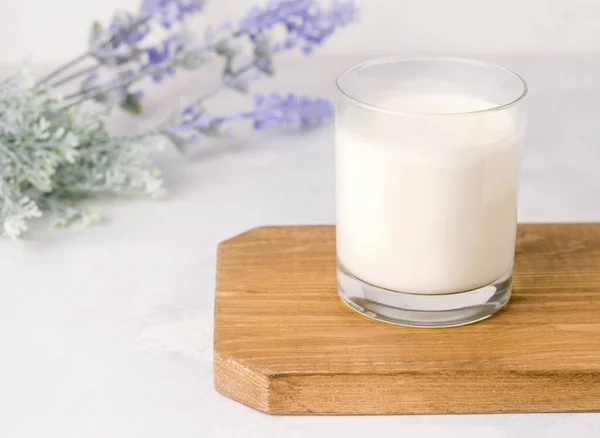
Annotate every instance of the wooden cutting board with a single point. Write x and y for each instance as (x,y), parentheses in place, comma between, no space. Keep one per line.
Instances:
(286,344)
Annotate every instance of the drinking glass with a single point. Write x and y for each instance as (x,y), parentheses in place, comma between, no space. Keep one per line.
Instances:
(428,154)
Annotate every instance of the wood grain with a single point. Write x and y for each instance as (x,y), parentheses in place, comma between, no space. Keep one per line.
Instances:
(286,344)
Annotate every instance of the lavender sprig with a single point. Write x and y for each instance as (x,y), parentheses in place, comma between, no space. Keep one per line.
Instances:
(289,111)
(168,12)
(53,154)
(117,44)
(306,24)
(270,111)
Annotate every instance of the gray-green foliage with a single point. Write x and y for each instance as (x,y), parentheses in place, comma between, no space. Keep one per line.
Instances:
(51,156)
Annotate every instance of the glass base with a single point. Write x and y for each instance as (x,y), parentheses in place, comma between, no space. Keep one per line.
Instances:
(414,310)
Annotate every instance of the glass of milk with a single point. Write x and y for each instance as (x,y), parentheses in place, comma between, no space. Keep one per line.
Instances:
(428,154)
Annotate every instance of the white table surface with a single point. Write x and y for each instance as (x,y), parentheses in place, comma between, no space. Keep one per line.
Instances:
(107,332)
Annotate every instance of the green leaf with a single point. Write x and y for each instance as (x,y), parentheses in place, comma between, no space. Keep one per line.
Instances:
(214,129)
(266,68)
(192,60)
(227,47)
(96,33)
(262,46)
(132,104)
(55,157)
(242,87)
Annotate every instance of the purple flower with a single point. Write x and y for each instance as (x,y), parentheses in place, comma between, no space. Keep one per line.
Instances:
(196,119)
(168,12)
(273,110)
(116,46)
(126,28)
(292,111)
(162,55)
(307,25)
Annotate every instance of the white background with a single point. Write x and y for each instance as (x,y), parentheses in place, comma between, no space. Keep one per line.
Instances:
(54,30)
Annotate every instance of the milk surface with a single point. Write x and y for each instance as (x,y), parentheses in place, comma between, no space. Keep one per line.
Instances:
(427,203)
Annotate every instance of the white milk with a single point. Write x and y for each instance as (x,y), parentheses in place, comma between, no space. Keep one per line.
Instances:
(427,203)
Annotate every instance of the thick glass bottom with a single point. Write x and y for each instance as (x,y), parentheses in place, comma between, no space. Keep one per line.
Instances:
(414,310)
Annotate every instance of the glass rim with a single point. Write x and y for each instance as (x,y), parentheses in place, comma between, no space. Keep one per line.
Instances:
(453,59)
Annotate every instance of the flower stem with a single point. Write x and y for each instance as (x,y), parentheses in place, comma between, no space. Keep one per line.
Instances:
(114,38)
(219,87)
(141,136)
(94,91)
(207,96)
(74,75)
(159,130)
(61,69)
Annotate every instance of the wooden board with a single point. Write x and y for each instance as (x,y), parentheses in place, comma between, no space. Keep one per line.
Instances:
(286,344)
